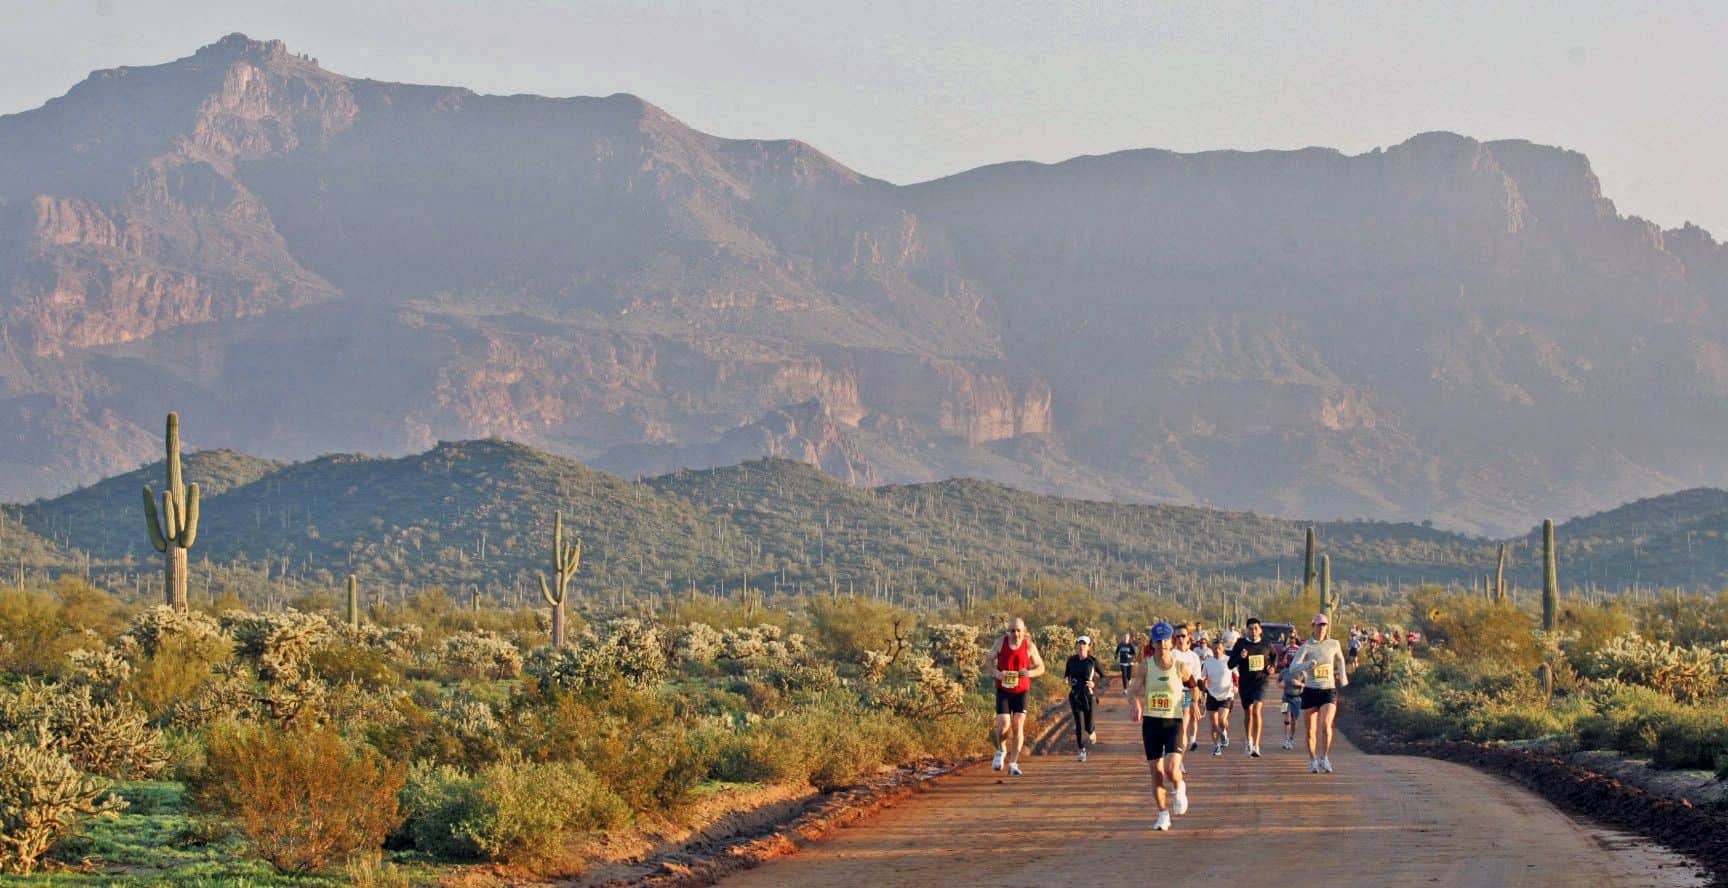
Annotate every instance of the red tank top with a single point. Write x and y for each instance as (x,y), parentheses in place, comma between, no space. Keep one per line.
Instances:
(1010,660)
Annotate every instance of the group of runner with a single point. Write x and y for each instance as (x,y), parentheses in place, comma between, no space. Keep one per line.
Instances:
(1177,681)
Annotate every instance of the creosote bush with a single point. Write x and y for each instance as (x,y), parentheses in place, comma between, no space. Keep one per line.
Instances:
(303,797)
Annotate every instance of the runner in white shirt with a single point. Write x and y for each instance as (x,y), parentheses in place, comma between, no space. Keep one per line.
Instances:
(1321,661)
(1192,707)
(1220,694)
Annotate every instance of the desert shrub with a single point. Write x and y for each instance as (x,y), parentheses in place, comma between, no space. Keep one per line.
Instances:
(43,799)
(624,650)
(1055,642)
(956,647)
(848,625)
(278,646)
(1512,721)
(303,797)
(1490,678)
(930,693)
(695,644)
(873,666)
(171,654)
(1693,737)
(479,654)
(523,812)
(358,663)
(1465,627)
(436,800)
(1408,709)
(111,739)
(1625,717)
(803,678)
(632,739)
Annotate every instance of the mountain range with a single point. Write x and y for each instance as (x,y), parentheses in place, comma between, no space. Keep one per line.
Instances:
(301,262)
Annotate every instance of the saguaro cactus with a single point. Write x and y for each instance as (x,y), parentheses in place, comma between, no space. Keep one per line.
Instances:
(1550,579)
(1310,574)
(1326,603)
(1500,576)
(174,528)
(565,561)
(353,602)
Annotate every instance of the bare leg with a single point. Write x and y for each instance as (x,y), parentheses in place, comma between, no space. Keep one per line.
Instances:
(1159,793)
(1327,714)
(1002,733)
(1311,728)
(1019,740)
(1251,723)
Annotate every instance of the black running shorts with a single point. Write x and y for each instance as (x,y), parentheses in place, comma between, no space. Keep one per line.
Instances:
(1161,736)
(1314,698)
(1213,704)
(1251,692)
(1010,702)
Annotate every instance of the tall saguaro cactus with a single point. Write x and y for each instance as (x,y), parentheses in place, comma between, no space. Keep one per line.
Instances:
(353,602)
(1500,576)
(1310,572)
(1550,579)
(565,560)
(174,528)
(1326,602)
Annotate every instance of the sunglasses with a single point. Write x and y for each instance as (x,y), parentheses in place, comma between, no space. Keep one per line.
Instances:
(1181,635)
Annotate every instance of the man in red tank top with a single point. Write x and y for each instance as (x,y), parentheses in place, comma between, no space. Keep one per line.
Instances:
(1014,663)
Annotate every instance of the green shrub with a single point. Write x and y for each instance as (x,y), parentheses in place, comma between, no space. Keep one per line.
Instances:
(437,799)
(1693,737)
(632,739)
(523,812)
(303,798)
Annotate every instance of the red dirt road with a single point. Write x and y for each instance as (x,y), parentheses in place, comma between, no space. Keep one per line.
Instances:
(1380,820)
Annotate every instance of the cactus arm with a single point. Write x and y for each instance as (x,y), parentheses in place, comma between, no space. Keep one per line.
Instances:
(173,447)
(573,560)
(189,521)
(151,520)
(546,591)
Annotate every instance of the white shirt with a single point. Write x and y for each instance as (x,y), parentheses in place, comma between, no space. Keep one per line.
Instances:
(1192,659)
(1230,639)
(1217,673)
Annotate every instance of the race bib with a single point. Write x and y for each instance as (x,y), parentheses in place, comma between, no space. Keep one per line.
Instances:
(1256,662)
(1158,702)
(1322,671)
(1284,707)
(1010,679)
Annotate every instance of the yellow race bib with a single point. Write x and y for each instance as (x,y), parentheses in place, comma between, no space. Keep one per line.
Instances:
(1159,703)
(1010,678)
(1322,671)
(1256,662)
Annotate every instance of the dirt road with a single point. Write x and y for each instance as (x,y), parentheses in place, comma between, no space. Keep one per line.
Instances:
(1380,820)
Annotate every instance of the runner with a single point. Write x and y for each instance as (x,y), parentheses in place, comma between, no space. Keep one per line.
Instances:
(1220,685)
(1192,707)
(1231,636)
(1292,702)
(1016,662)
(1155,701)
(1083,673)
(1253,659)
(1126,653)
(1322,660)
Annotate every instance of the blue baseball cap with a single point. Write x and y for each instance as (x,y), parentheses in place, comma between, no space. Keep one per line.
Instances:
(1163,632)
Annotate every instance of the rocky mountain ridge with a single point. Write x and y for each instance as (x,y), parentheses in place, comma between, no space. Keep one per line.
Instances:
(1446,328)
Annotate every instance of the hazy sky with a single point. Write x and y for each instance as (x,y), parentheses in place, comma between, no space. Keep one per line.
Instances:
(913,90)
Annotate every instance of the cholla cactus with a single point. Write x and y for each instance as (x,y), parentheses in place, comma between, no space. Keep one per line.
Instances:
(174,528)
(279,646)
(874,666)
(151,628)
(112,739)
(43,798)
(103,670)
(624,649)
(696,643)
(955,646)
(931,693)
(482,654)
(1055,641)
(1684,673)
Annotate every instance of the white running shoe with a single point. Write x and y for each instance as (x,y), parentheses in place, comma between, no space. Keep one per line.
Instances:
(1082,755)
(1251,751)
(1193,745)
(1163,824)
(1289,743)
(1014,769)
(1313,766)
(1217,750)
(1001,755)
(1226,739)
(1181,805)
(1326,764)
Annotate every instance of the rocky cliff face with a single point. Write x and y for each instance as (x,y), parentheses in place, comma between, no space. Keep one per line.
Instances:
(302,262)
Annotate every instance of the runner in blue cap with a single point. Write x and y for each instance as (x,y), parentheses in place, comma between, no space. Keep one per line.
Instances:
(1155,701)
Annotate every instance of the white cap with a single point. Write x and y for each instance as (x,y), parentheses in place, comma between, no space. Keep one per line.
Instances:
(1084,639)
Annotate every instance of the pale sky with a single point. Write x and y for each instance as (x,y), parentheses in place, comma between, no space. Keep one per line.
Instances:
(908,90)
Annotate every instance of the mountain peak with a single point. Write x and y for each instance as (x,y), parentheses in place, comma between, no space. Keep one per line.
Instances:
(238,46)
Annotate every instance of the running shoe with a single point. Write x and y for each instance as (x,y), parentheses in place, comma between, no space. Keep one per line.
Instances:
(1288,744)
(1001,754)
(1014,769)
(1163,824)
(1082,755)
(1193,745)
(1313,766)
(1254,751)
(1181,805)
(1217,750)
(1326,764)
(1226,739)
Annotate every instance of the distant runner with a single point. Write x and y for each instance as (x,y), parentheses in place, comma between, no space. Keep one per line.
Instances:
(1322,660)
(1126,654)
(1083,673)
(1016,662)
(1192,708)
(1292,702)
(1254,660)
(1220,686)
(1155,701)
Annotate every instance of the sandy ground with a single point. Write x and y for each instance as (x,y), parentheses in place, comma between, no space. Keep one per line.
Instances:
(1380,820)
